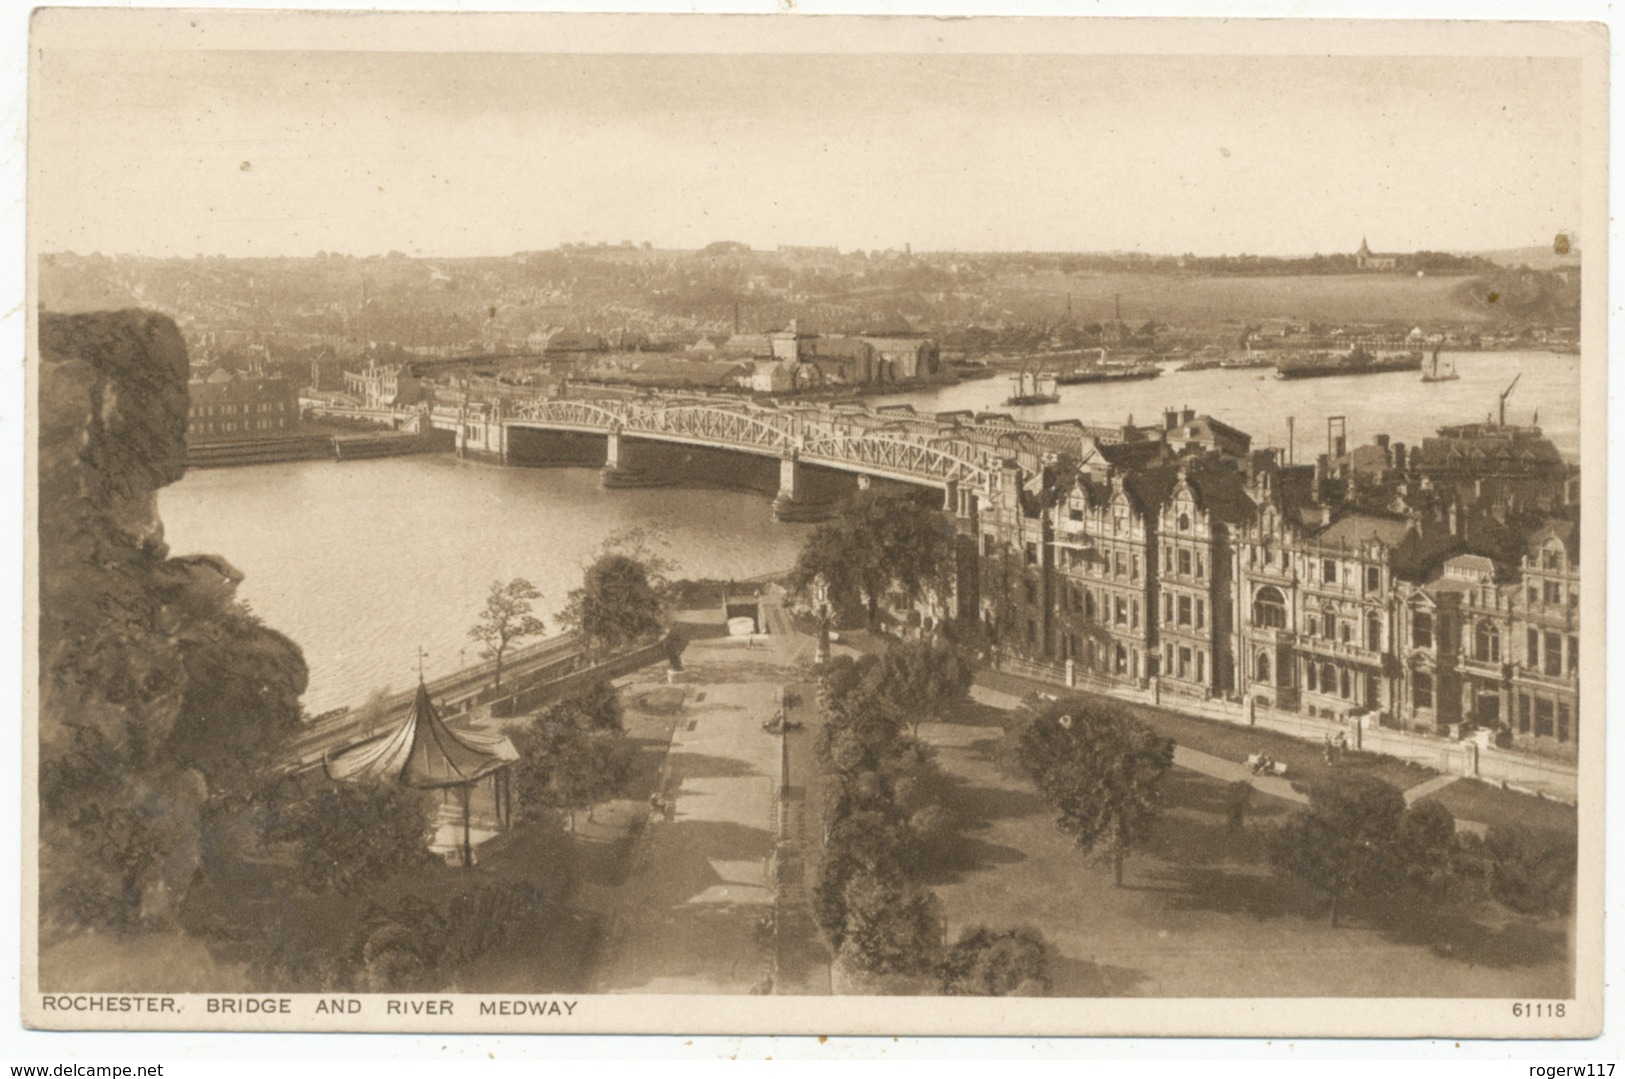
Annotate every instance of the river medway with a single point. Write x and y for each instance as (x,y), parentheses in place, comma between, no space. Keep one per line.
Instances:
(1400,405)
(363,562)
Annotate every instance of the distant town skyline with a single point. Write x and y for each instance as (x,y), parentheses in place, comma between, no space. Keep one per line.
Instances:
(455,155)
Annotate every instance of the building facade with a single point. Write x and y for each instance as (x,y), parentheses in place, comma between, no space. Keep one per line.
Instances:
(226,406)
(1376,594)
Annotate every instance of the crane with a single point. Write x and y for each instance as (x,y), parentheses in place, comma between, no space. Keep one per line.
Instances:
(1505,393)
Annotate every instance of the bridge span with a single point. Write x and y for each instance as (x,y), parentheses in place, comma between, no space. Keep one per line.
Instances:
(957,453)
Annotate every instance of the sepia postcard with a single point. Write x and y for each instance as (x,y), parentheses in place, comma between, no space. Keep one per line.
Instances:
(814,525)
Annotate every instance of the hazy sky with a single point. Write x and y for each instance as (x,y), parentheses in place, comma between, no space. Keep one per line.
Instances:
(245,153)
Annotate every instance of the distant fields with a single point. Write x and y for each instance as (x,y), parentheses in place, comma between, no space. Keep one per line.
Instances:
(1350,298)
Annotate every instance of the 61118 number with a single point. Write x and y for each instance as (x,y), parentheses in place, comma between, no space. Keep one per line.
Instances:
(1537,1011)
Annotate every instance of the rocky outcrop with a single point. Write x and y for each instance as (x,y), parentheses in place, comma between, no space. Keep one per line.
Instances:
(161,697)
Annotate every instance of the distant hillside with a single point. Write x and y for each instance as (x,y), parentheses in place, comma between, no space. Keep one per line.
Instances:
(1524,296)
(1197,300)
(1536,258)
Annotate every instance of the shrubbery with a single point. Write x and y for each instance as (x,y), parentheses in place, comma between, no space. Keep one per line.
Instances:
(889,823)
(407,945)
(1531,872)
(345,836)
(885,823)
(997,963)
(1358,839)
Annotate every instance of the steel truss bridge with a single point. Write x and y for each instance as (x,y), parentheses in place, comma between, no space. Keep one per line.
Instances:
(895,445)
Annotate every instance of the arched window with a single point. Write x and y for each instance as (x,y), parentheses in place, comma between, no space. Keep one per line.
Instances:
(1184,522)
(1089,606)
(1373,632)
(1263,666)
(1328,621)
(1269,608)
(1487,642)
(1328,678)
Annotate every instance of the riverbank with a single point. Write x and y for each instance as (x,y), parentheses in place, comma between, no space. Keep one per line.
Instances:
(314,446)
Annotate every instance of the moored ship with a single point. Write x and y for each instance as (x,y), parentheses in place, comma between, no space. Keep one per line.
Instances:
(1108,372)
(1357,362)
(1099,370)
(1033,389)
(1438,373)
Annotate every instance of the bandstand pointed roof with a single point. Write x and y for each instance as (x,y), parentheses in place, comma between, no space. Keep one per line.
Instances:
(423,753)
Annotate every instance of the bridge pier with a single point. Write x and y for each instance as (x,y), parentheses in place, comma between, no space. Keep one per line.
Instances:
(788,506)
(624,466)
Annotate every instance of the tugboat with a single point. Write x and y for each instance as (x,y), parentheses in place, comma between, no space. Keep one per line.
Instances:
(1033,389)
(1435,374)
(1357,362)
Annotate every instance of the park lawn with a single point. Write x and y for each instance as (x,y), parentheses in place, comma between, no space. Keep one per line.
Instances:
(1470,799)
(1305,761)
(1201,913)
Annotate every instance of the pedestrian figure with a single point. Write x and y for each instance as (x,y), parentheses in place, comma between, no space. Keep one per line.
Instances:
(1327,750)
(1341,745)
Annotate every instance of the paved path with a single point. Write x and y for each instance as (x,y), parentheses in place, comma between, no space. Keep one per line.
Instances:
(691,916)
(1230,771)
(1432,786)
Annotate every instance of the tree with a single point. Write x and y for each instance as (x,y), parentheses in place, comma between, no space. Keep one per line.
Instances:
(1346,842)
(349,835)
(892,926)
(875,841)
(594,707)
(997,963)
(616,605)
(588,769)
(507,618)
(1100,769)
(572,756)
(922,679)
(1425,846)
(876,543)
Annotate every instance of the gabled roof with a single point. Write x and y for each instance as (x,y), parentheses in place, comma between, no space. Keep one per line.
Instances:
(1222,493)
(422,753)
(1149,488)
(1562,529)
(1132,455)
(1354,529)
